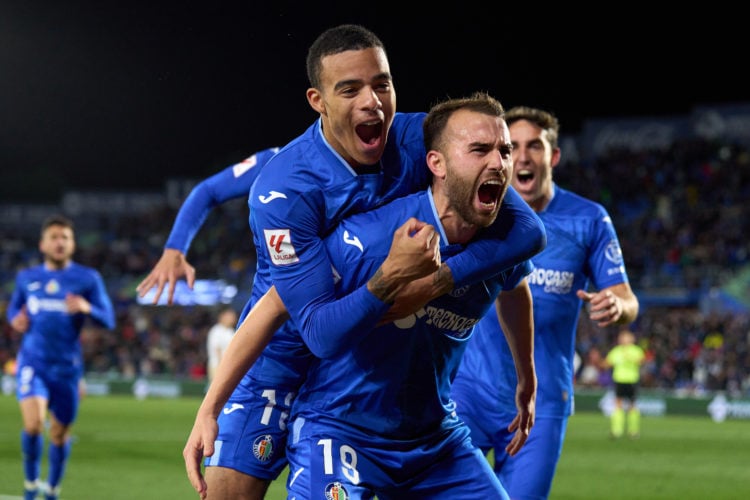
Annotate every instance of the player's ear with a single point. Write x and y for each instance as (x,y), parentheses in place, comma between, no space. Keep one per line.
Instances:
(315,99)
(436,163)
(556,155)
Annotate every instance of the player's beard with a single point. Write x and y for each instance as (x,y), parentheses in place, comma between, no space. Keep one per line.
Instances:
(462,195)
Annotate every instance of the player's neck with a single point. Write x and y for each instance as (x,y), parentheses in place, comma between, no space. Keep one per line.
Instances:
(56,265)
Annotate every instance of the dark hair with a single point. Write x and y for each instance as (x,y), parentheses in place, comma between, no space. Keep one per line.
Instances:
(434,124)
(57,220)
(542,119)
(334,41)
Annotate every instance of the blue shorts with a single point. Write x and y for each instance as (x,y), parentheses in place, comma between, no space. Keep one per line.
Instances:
(61,393)
(323,464)
(253,431)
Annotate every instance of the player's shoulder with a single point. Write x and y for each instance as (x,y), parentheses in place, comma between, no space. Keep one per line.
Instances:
(84,270)
(407,127)
(29,273)
(394,213)
(298,164)
(568,202)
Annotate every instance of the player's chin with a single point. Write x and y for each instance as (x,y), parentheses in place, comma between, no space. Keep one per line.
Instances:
(485,217)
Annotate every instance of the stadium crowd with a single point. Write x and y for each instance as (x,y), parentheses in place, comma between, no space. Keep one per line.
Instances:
(681,214)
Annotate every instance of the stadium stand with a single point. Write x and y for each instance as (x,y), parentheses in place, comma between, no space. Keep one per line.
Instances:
(680,205)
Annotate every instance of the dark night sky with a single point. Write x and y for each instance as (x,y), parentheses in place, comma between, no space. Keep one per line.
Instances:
(115,96)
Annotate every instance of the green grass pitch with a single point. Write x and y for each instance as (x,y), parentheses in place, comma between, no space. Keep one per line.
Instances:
(126,449)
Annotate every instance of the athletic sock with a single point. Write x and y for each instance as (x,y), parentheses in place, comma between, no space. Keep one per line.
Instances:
(57,458)
(634,422)
(31,450)
(617,422)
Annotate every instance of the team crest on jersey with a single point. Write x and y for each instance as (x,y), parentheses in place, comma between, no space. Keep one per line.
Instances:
(280,248)
(263,447)
(336,491)
(52,287)
(613,252)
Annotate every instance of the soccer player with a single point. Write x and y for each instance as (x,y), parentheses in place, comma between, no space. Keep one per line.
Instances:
(49,305)
(231,183)
(359,154)
(582,250)
(377,418)
(625,359)
(219,337)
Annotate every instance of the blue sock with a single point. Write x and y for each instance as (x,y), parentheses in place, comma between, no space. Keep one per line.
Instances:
(31,450)
(57,458)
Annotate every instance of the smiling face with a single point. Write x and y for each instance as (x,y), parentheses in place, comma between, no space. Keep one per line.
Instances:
(356,101)
(533,161)
(474,166)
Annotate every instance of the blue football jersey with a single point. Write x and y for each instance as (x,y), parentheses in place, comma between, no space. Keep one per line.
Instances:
(393,382)
(582,249)
(52,342)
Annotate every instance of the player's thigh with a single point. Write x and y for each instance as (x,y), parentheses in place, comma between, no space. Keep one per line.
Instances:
(253,433)
(228,484)
(33,397)
(33,410)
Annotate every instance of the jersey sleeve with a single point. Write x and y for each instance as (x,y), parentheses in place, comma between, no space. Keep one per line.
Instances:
(232,182)
(516,274)
(17,298)
(606,261)
(302,273)
(517,235)
(102,310)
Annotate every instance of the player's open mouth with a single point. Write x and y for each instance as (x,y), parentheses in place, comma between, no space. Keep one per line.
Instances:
(524,176)
(369,132)
(489,192)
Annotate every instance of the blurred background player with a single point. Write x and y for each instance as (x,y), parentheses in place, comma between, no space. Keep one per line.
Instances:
(625,359)
(219,337)
(582,250)
(50,303)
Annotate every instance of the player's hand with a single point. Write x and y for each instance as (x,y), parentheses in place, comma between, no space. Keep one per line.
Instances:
(604,307)
(200,444)
(77,304)
(171,267)
(20,321)
(414,252)
(525,417)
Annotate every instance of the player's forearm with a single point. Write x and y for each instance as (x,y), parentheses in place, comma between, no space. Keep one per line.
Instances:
(190,218)
(251,337)
(515,312)
(630,307)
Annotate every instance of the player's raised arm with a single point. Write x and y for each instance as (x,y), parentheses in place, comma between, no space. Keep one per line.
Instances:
(231,183)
